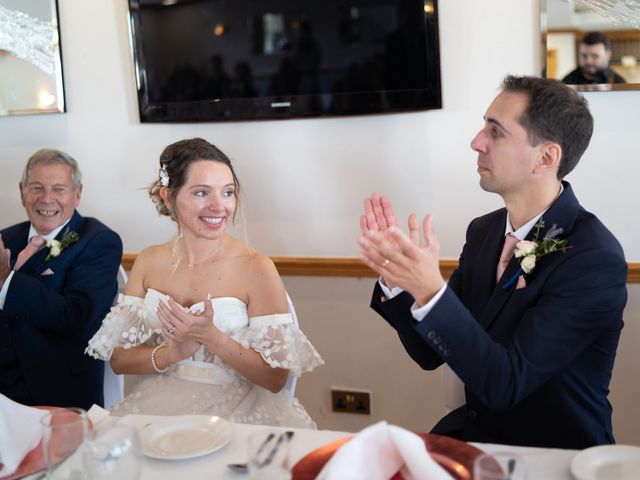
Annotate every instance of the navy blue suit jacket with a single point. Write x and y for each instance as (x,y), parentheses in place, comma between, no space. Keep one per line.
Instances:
(536,361)
(47,320)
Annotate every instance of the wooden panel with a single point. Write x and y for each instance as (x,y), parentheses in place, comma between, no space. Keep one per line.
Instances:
(613,35)
(634,272)
(352,267)
(552,63)
(622,42)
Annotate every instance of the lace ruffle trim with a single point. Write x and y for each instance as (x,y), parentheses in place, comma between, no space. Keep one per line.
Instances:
(280,345)
(275,337)
(125,326)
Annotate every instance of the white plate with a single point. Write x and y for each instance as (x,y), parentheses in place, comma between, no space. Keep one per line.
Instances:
(607,462)
(186,436)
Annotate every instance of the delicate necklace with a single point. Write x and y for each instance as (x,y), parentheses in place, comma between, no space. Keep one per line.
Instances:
(213,256)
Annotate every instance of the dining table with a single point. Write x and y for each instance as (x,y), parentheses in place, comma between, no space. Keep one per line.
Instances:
(543,463)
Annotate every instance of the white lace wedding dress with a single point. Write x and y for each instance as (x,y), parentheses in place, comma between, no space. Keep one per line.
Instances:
(204,384)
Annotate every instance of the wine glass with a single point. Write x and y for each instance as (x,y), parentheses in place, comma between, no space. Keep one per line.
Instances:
(112,452)
(63,432)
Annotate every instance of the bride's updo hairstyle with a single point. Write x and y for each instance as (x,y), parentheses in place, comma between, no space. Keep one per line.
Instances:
(174,166)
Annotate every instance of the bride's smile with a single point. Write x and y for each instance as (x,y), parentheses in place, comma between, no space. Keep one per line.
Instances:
(212,220)
(207,200)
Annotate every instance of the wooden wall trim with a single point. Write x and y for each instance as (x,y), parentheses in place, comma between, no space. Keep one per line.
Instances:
(352,267)
(613,35)
(634,272)
(127,260)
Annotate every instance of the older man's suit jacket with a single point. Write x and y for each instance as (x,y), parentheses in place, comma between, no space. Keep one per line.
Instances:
(536,361)
(51,310)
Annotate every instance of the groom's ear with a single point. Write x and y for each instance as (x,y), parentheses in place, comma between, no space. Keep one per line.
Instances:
(550,156)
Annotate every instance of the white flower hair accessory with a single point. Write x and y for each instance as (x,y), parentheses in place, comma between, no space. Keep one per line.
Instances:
(164,176)
(529,251)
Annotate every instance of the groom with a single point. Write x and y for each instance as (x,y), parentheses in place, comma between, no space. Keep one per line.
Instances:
(532,333)
(57,283)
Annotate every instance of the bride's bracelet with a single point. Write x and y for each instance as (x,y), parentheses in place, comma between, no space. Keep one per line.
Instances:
(153,359)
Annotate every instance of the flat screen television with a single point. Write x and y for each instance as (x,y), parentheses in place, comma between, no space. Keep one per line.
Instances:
(215,60)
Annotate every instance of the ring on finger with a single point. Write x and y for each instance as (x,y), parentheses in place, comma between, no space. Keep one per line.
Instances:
(386,262)
(172,330)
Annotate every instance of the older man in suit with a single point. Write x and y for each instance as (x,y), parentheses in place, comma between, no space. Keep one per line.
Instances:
(58,281)
(532,333)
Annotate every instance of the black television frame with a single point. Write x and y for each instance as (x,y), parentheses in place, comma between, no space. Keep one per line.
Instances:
(287,106)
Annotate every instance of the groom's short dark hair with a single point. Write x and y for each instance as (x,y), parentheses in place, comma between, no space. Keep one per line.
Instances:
(555,113)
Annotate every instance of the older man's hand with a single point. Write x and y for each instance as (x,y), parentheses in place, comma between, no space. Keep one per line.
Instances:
(5,257)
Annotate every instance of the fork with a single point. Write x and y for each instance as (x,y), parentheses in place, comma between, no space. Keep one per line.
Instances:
(286,435)
(243,467)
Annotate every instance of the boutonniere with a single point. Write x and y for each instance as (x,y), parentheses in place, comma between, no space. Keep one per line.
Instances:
(57,246)
(529,251)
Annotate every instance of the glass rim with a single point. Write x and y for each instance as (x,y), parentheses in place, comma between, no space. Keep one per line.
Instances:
(81,416)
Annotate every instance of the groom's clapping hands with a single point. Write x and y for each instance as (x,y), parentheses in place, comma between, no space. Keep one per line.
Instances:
(401,260)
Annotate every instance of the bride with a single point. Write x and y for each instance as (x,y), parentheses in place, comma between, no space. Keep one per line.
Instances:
(162,330)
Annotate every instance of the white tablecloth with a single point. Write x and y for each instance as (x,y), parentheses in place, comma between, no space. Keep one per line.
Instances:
(214,465)
(544,463)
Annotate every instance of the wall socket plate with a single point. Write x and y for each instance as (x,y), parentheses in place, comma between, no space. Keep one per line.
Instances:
(351,401)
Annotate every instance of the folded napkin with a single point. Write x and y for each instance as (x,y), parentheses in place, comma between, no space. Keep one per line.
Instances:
(98,415)
(20,432)
(378,452)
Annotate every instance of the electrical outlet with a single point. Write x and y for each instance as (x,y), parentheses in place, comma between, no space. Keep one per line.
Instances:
(351,401)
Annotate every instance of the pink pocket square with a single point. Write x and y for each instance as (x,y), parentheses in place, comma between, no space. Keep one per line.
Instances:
(521,282)
(48,271)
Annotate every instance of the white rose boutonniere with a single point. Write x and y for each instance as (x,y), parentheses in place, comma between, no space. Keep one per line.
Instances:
(57,246)
(524,248)
(529,251)
(528,263)
(54,248)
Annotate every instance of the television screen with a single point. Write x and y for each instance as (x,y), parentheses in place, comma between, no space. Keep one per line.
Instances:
(211,60)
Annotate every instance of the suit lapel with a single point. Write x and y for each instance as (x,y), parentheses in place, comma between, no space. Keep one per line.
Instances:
(74,225)
(495,296)
(497,300)
(562,213)
(36,260)
(484,269)
(17,242)
(39,259)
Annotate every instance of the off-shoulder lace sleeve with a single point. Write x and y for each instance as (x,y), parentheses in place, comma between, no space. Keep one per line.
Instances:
(280,343)
(129,323)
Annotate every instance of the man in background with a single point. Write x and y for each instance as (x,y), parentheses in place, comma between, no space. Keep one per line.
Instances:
(531,318)
(594,55)
(57,282)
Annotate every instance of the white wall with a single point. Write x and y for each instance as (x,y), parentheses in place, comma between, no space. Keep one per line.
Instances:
(565,46)
(304,181)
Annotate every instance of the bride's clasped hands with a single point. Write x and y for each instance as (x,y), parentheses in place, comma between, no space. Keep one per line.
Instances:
(186,331)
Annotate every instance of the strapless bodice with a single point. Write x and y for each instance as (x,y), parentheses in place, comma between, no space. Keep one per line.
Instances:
(229,313)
